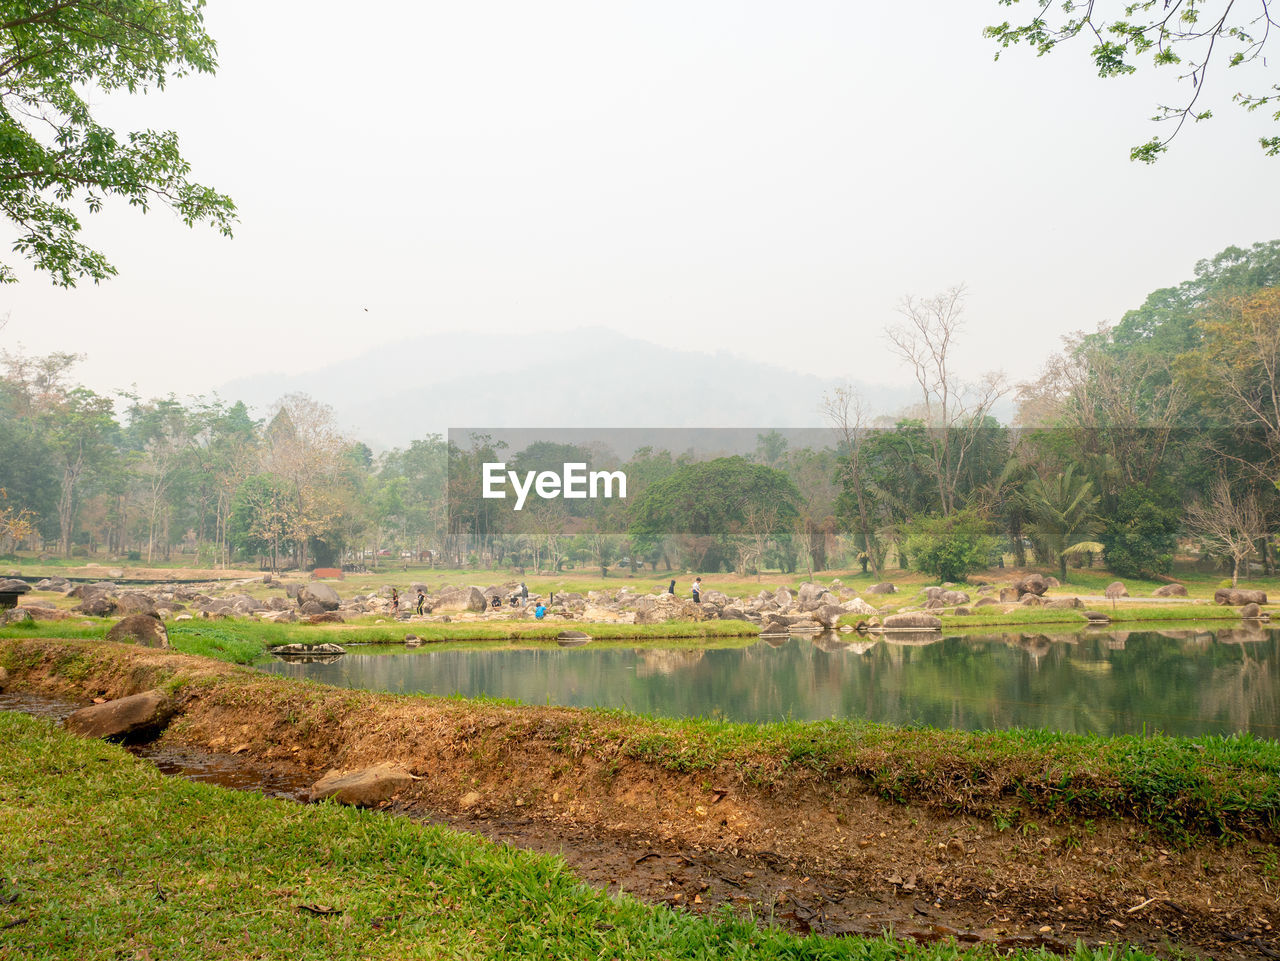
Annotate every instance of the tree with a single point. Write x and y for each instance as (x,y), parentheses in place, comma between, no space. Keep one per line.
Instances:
(1063,518)
(1236,370)
(1230,521)
(54,55)
(845,413)
(955,412)
(1140,534)
(1188,35)
(951,546)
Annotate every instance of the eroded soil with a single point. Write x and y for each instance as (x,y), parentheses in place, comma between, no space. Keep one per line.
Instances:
(813,854)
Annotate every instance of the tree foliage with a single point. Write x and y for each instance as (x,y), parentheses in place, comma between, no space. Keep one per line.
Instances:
(1189,37)
(54,154)
(950,547)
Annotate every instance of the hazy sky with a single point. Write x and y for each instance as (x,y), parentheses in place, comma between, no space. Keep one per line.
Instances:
(764,178)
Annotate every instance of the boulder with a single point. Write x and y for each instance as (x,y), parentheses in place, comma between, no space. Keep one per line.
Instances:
(1115,589)
(828,615)
(125,716)
(1052,582)
(18,615)
(1250,611)
(364,788)
(135,602)
(986,602)
(13,586)
(1009,595)
(412,640)
(1031,600)
(1170,590)
(97,605)
(300,650)
(859,606)
(309,609)
(1064,602)
(4,678)
(912,620)
(321,593)
(953,598)
(1031,584)
(327,617)
(1233,597)
(883,588)
(774,625)
(459,599)
(572,638)
(145,630)
(1098,617)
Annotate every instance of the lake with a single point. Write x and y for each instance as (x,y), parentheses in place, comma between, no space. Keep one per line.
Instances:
(1188,682)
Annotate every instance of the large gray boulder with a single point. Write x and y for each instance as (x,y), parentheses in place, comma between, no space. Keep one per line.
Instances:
(828,615)
(1170,590)
(135,602)
(458,599)
(1115,589)
(365,788)
(321,593)
(1234,597)
(123,716)
(860,607)
(97,605)
(913,620)
(882,588)
(1031,584)
(145,630)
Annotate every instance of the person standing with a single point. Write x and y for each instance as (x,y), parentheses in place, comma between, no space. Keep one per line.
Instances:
(395,601)
(697,590)
(421,600)
(524,593)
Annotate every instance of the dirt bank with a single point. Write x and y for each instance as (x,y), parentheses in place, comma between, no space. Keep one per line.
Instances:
(820,852)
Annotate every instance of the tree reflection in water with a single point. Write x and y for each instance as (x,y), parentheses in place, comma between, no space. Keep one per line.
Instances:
(1190,681)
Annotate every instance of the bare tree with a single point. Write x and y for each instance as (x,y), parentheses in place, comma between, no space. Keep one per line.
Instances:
(954,412)
(1229,522)
(844,410)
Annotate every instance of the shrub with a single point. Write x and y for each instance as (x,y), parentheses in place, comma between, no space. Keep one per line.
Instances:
(950,547)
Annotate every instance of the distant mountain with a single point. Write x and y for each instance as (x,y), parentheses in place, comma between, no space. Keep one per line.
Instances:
(585,378)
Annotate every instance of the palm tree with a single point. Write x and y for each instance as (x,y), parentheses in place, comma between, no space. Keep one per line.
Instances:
(1063,517)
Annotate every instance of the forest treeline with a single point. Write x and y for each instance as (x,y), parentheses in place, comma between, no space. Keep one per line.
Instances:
(1159,430)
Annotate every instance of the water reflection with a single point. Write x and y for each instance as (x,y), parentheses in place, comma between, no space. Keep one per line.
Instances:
(1180,682)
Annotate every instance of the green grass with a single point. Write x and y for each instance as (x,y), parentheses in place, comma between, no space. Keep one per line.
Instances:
(129,864)
(243,641)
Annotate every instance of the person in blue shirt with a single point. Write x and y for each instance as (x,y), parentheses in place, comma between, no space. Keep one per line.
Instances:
(540,611)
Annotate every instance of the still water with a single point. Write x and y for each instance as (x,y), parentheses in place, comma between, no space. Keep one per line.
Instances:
(1177,682)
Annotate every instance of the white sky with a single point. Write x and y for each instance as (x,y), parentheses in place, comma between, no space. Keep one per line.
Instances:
(765,178)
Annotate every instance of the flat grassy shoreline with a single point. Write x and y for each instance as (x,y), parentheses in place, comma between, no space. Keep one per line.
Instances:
(1203,787)
(128,863)
(244,640)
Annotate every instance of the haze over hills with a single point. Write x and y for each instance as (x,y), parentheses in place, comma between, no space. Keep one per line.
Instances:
(585,378)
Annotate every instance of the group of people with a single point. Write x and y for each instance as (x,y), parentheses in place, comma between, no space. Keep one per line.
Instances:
(523,598)
(697,589)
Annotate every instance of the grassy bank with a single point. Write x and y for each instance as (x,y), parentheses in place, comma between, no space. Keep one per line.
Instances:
(128,863)
(243,641)
(1208,786)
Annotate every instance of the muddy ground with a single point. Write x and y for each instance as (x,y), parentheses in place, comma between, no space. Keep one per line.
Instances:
(811,853)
